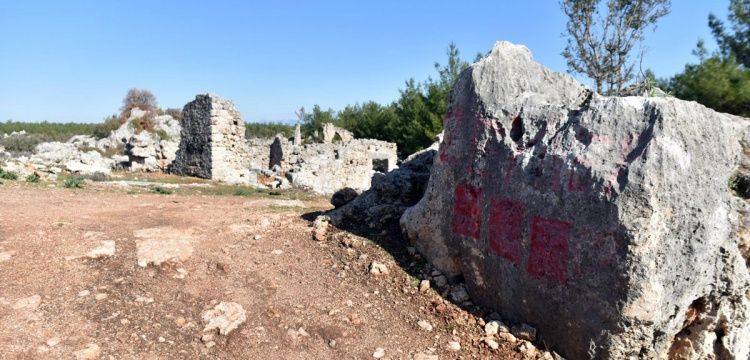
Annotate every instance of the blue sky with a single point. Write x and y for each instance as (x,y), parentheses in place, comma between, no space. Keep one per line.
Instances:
(74,60)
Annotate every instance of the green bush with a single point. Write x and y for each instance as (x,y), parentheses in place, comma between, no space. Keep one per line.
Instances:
(8,175)
(74,182)
(103,130)
(33,178)
(22,144)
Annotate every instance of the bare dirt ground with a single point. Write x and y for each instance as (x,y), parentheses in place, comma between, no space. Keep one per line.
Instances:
(304,299)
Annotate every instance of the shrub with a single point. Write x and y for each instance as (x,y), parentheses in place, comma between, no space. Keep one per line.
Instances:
(21,144)
(140,98)
(33,179)
(74,182)
(175,113)
(267,130)
(162,190)
(103,130)
(243,192)
(162,134)
(8,175)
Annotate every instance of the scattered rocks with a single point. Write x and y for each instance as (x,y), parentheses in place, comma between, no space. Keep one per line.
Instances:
(507,337)
(320,227)
(226,316)
(163,244)
(425,325)
(454,346)
(29,303)
(491,343)
(424,285)
(379,353)
(295,335)
(377,268)
(90,352)
(83,293)
(277,252)
(100,296)
(53,341)
(493,327)
(106,249)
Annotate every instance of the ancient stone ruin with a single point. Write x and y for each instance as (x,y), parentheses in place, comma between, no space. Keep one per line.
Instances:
(212,142)
(604,222)
(326,167)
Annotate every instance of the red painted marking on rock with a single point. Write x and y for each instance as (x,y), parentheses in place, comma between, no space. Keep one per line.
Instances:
(506,228)
(575,185)
(509,171)
(466,211)
(557,166)
(549,248)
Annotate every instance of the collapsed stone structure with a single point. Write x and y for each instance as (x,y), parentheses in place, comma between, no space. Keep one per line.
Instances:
(330,132)
(212,142)
(604,222)
(379,209)
(328,167)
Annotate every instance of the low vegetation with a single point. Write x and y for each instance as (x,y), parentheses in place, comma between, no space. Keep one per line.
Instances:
(32,178)
(8,175)
(268,129)
(74,182)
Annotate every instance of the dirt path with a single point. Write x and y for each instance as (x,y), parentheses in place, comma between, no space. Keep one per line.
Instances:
(303,299)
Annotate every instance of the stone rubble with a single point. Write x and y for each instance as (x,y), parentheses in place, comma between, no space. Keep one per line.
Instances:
(225,316)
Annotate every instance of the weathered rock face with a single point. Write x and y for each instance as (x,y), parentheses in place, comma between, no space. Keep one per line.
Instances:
(604,222)
(212,144)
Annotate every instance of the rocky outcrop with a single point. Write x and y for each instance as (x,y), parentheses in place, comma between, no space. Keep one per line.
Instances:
(604,222)
(212,144)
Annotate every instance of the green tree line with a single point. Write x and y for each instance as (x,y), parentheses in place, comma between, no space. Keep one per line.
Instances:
(412,121)
(720,80)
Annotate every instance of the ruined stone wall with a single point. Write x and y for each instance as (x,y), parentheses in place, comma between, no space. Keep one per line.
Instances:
(326,168)
(213,144)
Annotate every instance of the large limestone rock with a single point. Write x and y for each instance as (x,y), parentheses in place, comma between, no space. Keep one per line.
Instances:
(604,222)
(212,144)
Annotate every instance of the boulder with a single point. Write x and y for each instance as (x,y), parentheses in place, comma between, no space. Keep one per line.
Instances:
(343,197)
(605,223)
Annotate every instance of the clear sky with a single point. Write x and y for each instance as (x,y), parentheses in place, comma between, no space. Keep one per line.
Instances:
(74,60)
